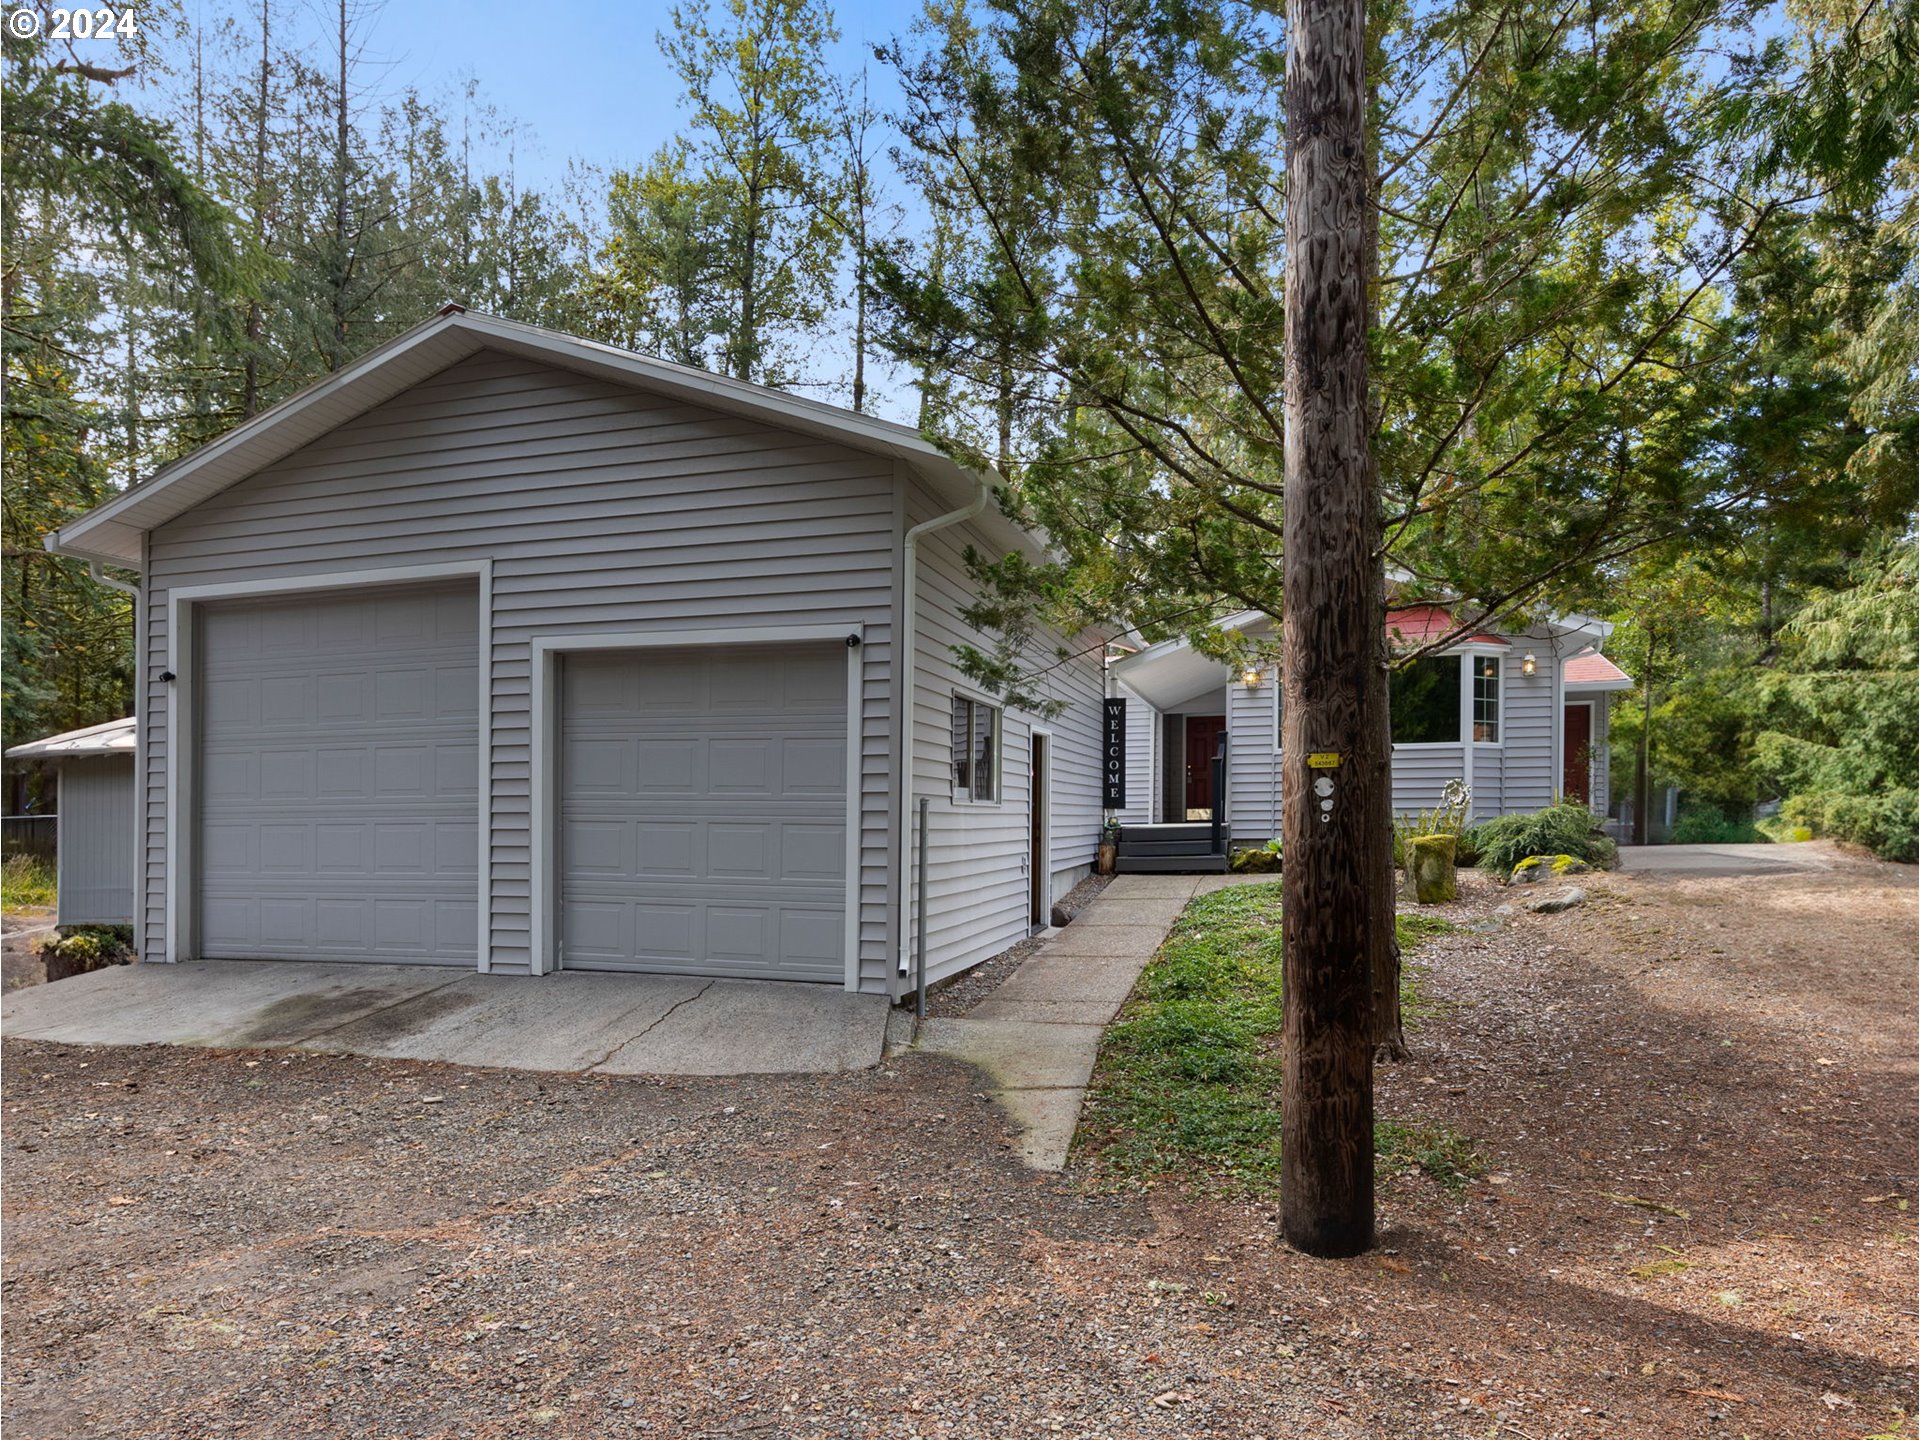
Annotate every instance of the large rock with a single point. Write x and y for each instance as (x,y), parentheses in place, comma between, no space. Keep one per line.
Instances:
(1430,878)
(1559,900)
(1547,867)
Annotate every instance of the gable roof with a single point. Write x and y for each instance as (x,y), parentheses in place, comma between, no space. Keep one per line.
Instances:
(112,532)
(1415,625)
(1590,670)
(1171,669)
(115,737)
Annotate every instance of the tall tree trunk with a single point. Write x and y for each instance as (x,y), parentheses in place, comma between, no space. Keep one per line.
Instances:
(343,269)
(1642,774)
(1389,1030)
(1332,644)
(256,317)
(747,340)
(860,300)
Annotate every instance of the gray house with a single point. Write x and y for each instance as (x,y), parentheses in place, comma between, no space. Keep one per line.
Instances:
(93,820)
(1520,716)
(510,650)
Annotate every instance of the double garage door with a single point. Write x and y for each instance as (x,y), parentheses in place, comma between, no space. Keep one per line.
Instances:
(702,794)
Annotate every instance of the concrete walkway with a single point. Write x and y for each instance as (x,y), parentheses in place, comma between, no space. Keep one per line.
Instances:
(1724,859)
(1037,1035)
(572,1021)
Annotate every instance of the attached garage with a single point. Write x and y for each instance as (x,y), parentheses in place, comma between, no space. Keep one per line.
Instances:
(336,771)
(703,811)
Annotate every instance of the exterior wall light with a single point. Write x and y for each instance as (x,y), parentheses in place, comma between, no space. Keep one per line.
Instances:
(1250,678)
(1528,664)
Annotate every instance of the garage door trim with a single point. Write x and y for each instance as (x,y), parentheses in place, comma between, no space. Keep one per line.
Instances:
(182,877)
(545,756)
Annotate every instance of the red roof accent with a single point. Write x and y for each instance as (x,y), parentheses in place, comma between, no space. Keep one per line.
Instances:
(1415,625)
(1590,667)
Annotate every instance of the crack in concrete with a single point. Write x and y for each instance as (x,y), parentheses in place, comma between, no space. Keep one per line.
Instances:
(665,1015)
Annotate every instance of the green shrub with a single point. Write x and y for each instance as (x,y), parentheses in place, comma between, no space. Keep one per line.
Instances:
(1711,825)
(1568,828)
(87,945)
(26,880)
(1888,825)
(1265,860)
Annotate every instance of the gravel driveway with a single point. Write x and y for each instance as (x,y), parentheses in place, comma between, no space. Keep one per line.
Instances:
(1696,1097)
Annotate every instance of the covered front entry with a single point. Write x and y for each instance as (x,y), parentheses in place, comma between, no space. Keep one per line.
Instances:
(703,811)
(1203,740)
(337,776)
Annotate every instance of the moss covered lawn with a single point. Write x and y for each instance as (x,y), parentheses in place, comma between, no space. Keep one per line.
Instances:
(1187,1084)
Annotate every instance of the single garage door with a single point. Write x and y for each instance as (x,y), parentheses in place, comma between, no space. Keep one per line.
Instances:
(703,811)
(339,777)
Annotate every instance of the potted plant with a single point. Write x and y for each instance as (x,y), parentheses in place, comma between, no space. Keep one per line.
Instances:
(1109,851)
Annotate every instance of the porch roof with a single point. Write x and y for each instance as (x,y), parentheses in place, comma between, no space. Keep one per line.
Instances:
(114,737)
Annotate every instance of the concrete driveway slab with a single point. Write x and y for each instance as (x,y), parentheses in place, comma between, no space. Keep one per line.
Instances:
(213,1002)
(557,1022)
(629,1024)
(757,1027)
(1719,860)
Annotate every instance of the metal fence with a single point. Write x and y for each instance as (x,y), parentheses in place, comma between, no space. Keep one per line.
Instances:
(27,835)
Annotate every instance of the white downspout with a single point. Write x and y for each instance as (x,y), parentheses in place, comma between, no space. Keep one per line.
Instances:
(93,569)
(908,688)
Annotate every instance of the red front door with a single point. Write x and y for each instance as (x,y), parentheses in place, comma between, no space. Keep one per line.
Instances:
(1203,738)
(1577,754)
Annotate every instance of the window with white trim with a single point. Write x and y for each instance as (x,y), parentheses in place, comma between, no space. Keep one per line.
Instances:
(1486,698)
(976,750)
(1423,701)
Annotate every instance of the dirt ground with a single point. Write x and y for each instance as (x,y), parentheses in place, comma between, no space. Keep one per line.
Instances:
(1697,1100)
(21,933)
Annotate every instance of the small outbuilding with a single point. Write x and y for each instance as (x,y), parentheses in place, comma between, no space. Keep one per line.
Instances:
(94,831)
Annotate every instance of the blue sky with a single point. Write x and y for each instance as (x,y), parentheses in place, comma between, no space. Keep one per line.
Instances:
(586,80)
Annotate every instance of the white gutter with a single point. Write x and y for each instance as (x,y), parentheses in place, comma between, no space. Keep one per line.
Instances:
(93,569)
(907,675)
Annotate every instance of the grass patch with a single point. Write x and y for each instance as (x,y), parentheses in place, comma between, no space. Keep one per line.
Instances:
(26,880)
(1188,1078)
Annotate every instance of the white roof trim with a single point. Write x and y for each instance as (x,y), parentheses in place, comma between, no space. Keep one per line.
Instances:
(115,737)
(112,532)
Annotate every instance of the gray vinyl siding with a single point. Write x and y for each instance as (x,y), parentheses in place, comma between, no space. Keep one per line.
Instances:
(601,509)
(1253,761)
(95,850)
(1143,744)
(1530,743)
(977,880)
(1518,774)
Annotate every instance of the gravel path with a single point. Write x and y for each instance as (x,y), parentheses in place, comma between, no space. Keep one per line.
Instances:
(1697,1098)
